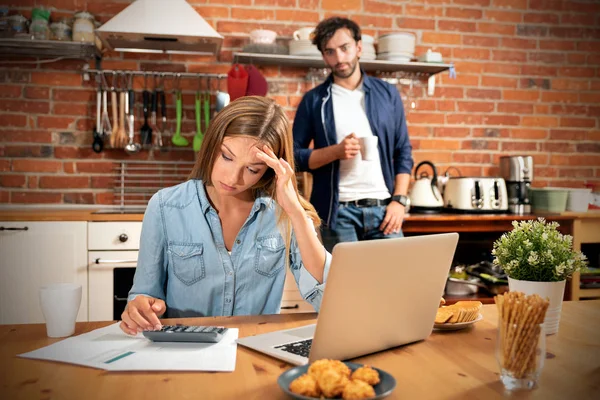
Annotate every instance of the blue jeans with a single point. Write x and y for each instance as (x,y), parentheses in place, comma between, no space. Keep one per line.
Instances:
(354,224)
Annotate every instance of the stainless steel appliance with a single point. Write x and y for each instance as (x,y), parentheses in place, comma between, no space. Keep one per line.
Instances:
(517,171)
(475,195)
(425,197)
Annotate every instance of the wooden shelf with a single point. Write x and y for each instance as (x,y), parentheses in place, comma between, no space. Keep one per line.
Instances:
(425,69)
(10,47)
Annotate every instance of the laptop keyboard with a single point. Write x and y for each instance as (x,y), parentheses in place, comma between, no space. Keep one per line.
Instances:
(301,348)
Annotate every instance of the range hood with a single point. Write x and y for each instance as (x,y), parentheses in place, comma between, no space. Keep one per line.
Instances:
(160,26)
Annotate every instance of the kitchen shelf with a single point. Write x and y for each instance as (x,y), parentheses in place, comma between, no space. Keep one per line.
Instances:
(425,69)
(11,47)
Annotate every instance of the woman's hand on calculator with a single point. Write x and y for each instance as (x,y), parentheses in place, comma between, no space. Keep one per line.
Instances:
(141,314)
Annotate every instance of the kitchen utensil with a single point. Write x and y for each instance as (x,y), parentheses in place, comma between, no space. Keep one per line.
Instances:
(257,84)
(476,194)
(114,136)
(222,98)
(237,81)
(177,139)
(98,144)
(425,197)
(197,142)
(517,171)
(492,278)
(443,179)
(106,126)
(121,136)
(131,147)
(146,130)
(163,112)
(206,111)
(154,107)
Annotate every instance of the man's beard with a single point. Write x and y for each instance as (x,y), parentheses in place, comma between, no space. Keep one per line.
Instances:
(348,72)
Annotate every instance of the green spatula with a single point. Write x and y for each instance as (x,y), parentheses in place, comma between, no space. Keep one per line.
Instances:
(177,139)
(198,136)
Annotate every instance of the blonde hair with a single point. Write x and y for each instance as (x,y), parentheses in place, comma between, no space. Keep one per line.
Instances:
(261,118)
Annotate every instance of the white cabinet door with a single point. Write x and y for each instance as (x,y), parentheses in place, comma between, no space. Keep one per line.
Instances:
(43,253)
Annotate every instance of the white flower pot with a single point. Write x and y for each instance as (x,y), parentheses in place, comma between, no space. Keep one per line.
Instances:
(554,291)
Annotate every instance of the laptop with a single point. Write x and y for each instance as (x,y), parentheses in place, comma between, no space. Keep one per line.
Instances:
(379,294)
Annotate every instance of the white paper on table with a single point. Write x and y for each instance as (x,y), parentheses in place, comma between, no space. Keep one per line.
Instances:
(111,349)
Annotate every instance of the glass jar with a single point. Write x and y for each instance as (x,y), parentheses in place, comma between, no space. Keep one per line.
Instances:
(83,27)
(60,31)
(17,23)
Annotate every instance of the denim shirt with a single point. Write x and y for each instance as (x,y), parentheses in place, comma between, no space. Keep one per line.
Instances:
(183,259)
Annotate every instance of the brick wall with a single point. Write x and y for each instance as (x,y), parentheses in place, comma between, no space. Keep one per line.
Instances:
(528,83)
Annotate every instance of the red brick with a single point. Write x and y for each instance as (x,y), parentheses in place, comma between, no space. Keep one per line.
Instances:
(56,78)
(517,43)
(71,109)
(501,120)
(425,118)
(13,120)
(105,8)
(371,21)
(428,144)
(471,53)
(341,5)
(577,72)
(560,97)
(532,134)
(563,45)
(416,23)
(80,153)
(457,26)
(495,28)
(471,158)
(542,109)
(483,3)
(569,109)
(105,198)
(483,41)
(575,33)
(445,105)
(515,4)
(10,91)
(592,59)
(593,135)
(102,182)
(515,108)
(55,122)
(578,19)
(25,136)
(304,16)
(4,165)
(68,167)
(577,58)
(475,106)
(540,18)
(588,46)
(423,11)
(79,198)
(377,7)
(503,16)
(14,181)
(463,13)
(464,119)
(490,132)
(36,166)
(74,95)
(538,70)
(519,146)
(252,14)
(435,157)
(509,55)
(442,92)
(504,69)
(63,182)
(593,98)
(31,107)
(441,38)
(37,93)
(496,81)
(484,94)
(32,182)
(35,197)
(540,121)
(451,132)
(94,167)
(460,80)
(479,144)
(567,134)
(550,58)
(577,122)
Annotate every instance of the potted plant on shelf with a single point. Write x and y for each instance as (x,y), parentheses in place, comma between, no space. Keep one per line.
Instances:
(537,258)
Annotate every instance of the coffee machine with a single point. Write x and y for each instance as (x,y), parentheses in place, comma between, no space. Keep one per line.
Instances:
(517,171)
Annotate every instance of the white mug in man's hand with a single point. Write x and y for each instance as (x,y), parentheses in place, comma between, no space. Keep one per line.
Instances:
(368,147)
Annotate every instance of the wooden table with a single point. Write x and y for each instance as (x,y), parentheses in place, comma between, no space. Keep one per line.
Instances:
(448,365)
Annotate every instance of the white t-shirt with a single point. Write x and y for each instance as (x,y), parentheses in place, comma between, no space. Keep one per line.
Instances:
(359,179)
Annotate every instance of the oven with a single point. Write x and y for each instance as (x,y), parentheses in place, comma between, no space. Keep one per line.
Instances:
(112,258)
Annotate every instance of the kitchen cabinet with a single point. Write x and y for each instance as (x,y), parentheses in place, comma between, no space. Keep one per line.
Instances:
(586,230)
(35,254)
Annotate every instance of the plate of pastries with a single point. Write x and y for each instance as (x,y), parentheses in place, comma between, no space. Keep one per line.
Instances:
(460,315)
(335,379)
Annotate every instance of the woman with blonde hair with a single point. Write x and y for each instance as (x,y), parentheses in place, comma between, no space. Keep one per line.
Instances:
(220,243)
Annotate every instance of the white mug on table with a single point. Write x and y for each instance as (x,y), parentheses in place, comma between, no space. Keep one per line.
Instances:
(60,305)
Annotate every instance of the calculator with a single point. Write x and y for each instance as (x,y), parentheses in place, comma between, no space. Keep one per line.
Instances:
(187,333)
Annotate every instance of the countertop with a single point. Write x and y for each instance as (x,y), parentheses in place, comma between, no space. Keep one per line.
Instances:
(87,214)
(447,365)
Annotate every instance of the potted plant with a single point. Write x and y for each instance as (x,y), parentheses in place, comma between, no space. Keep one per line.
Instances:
(537,258)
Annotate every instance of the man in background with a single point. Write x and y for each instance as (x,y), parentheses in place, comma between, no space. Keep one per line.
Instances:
(358,190)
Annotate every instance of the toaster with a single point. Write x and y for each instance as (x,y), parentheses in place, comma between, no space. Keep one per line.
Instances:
(475,194)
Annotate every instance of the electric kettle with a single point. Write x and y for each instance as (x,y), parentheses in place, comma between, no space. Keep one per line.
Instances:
(425,197)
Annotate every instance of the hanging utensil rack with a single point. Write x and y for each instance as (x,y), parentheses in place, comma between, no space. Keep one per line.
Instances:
(162,75)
